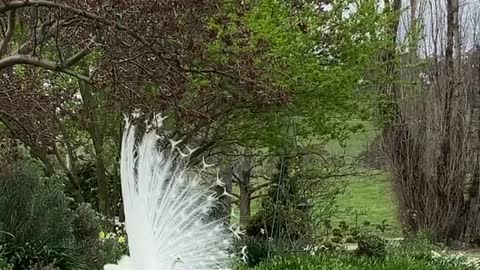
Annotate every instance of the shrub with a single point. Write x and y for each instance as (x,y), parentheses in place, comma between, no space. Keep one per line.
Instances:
(418,248)
(302,262)
(100,247)
(256,250)
(35,217)
(4,264)
(86,223)
(371,246)
(411,254)
(349,262)
(285,212)
(38,230)
(109,249)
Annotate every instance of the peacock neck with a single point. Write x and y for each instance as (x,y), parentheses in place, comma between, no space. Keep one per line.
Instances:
(172,265)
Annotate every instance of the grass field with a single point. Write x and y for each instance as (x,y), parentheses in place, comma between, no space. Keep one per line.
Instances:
(368,197)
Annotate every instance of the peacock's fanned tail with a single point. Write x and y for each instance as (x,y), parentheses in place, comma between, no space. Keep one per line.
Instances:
(167,210)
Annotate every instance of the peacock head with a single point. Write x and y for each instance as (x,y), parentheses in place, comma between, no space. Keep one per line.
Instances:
(175,261)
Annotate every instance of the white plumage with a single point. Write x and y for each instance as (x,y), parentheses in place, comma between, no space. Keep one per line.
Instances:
(167,211)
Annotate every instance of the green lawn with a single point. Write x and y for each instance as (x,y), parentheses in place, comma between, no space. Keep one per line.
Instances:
(356,144)
(369,198)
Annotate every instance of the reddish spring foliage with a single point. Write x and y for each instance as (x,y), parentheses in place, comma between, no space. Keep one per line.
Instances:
(138,54)
(27,112)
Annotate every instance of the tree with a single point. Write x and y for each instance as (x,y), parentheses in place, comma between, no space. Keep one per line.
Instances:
(323,59)
(427,132)
(87,62)
(217,69)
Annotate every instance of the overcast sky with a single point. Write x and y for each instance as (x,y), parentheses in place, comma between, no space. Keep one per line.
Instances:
(434,14)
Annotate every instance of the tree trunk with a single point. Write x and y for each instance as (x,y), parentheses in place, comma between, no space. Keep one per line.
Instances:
(70,167)
(39,153)
(449,185)
(472,230)
(95,131)
(245,192)
(100,174)
(244,205)
(425,138)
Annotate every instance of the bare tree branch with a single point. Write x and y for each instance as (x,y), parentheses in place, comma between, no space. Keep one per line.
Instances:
(42,63)
(14,5)
(50,4)
(260,187)
(237,179)
(43,35)
(258,196)
(235,195)
(9,33)
(80,55)
(7,120)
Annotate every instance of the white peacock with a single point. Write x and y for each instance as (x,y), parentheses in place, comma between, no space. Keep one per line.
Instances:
(166,211)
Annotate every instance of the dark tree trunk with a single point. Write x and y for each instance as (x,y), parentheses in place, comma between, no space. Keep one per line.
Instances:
(95,131)
(245,186)
(244,205)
